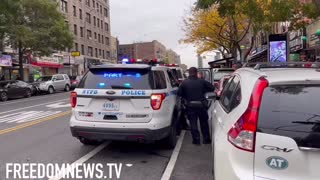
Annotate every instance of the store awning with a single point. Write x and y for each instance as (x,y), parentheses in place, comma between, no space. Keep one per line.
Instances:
(46,64)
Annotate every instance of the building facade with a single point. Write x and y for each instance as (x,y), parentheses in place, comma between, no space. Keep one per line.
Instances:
(143,50)
(114,49)
(89,20)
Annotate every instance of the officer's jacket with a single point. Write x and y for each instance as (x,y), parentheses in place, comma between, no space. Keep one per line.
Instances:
(194,89)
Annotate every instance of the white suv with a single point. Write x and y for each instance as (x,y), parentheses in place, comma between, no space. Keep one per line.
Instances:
(266,125)
(50,84)
(129,102)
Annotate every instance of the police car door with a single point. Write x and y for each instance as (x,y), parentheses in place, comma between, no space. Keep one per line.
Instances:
(115,95)
(173,89)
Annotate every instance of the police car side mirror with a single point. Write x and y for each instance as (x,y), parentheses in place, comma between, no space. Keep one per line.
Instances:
(212,96)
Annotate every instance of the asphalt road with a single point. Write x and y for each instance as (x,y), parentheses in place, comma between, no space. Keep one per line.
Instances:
(36,130)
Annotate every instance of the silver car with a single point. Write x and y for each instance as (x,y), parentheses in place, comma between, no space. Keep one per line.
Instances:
(57,82)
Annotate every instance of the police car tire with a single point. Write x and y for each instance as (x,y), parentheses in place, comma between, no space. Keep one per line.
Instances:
(86,141)
(171,140)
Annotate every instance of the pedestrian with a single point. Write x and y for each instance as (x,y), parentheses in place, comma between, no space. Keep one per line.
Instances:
(193,91)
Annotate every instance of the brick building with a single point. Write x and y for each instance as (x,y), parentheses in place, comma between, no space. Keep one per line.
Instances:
(143,50)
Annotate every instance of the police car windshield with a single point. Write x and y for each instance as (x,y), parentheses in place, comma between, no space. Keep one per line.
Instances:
(116,79)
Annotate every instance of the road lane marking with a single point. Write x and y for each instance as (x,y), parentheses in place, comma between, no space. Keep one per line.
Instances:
(33,106)
(40,115)
(26,116)
(59,105)
(25,125)
(30,99)
(82,160)
(169,169)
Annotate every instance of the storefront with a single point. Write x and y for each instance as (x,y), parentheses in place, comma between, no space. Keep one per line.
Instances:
(297,45)
(259,54)
(70,65)
(45,66)
(313,39)
(5,65)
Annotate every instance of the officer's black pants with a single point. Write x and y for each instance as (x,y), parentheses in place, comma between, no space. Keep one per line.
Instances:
(202,115)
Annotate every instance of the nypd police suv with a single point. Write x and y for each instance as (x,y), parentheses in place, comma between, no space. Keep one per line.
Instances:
(129,102)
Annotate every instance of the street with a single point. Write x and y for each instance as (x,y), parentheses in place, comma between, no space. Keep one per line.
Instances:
(36,130)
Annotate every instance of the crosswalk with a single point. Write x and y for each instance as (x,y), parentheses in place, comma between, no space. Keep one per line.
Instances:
(26,116)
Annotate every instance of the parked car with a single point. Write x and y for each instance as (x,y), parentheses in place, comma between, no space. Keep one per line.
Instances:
(57,82)
(14,89)
(74,81)
(266,125)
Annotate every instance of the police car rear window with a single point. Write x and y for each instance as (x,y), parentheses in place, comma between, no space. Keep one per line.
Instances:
(116,79)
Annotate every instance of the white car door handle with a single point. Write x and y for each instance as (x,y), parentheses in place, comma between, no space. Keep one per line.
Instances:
(215,111)
(219,121)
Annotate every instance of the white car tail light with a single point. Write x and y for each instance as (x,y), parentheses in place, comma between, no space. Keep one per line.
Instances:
(156,100)
(243,133)
(73,99)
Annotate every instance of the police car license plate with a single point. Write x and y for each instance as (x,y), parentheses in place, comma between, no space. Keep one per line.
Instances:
(111,106)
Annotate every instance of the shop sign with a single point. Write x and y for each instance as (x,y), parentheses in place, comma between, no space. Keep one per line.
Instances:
(5,60)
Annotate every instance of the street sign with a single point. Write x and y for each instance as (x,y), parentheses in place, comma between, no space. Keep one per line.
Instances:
(75,53)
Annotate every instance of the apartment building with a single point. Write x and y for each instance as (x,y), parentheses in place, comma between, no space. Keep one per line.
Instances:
(143,50)
(89,20)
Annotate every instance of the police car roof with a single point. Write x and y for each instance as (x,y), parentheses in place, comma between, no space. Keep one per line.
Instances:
(128,66)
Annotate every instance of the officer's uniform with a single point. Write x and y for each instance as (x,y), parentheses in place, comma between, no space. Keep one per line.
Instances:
(193,90)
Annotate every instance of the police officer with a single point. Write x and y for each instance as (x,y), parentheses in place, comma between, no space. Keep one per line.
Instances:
(193,91)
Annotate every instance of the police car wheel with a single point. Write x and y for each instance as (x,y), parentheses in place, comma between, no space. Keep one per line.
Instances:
(171,140)
(86,141)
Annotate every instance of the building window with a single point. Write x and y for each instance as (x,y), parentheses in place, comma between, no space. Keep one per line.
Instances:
(93,4)
(64,6)
(95,35)
(74,11)
(106,26)
(107,41)
(89,34)
(75,29)
(96,52)
(108,54)
(82,49)
(106,13)
(99,38)
(98,22)
(76,47)
(100,54)
(90,53)
(100,9)
(80,13)
(88,3)
(103,55)
(97,7)
(81,31)
(94,21)
(102,39)
(88,18)
(101,24)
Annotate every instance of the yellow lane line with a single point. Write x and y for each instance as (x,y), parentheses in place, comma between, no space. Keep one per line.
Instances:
(31,123)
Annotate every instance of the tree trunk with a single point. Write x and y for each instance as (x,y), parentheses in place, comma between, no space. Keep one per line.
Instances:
(21,74)
(249,50)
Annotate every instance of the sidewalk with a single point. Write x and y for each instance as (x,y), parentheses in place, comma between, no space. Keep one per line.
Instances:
(194,162)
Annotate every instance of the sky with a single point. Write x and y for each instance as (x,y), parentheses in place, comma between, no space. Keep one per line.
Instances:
(147,20)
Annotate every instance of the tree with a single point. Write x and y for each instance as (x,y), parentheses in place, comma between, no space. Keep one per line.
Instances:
(35,25)
(208,30)
(263,14)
